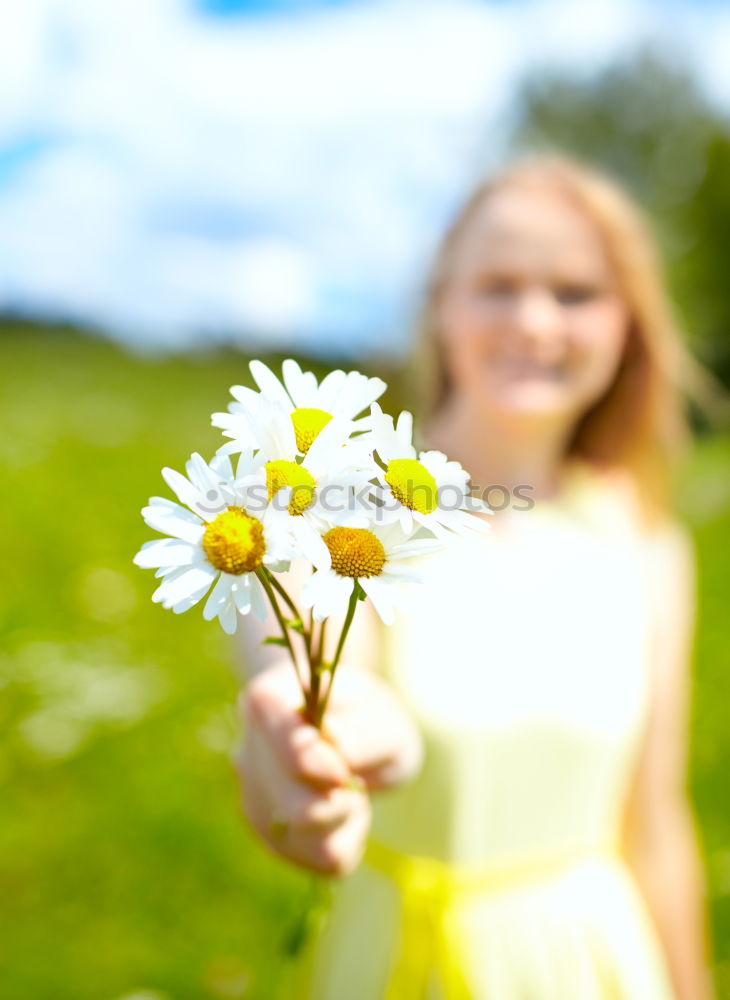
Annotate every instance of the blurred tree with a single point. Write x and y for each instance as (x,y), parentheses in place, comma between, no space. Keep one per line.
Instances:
(647,122)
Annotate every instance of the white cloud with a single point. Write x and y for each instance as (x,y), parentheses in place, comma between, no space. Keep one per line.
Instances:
(198,176)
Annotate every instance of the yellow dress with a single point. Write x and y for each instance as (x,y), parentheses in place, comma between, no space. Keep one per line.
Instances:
(494,873)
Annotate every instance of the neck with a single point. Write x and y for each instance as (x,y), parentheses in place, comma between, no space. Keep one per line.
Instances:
(527,454)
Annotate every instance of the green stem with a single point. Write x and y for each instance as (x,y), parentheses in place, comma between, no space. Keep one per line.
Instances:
(288,601)
(309,635)
(338,652)
(306,633)
(312,696)
(264,578)
(320,648)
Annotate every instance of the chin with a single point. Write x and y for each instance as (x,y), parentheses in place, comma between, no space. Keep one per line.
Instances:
(536,401)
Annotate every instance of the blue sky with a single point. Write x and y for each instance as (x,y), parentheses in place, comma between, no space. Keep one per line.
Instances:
(173,171)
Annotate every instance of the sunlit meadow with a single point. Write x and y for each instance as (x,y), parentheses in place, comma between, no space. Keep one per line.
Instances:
(126,868)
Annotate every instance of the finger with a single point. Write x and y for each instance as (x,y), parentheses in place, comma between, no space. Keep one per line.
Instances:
(298,803)
(331,849)
(341,850)
(330,853)
(366,722)
(301,748)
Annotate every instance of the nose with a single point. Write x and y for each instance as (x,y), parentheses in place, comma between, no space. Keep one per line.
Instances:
(538,319)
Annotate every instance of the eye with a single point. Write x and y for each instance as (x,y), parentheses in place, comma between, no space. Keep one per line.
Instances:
(575,294)
(498,286)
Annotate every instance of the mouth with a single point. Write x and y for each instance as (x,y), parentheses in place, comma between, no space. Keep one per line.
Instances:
(533,371)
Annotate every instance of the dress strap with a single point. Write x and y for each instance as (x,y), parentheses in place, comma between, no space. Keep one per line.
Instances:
(431,939)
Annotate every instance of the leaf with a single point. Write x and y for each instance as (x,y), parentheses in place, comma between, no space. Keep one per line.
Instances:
(296,623)
(274,640)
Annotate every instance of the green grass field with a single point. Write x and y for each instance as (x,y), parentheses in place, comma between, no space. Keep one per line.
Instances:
(126,869)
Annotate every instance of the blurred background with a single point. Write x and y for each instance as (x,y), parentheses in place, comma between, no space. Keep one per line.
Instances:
(185,184)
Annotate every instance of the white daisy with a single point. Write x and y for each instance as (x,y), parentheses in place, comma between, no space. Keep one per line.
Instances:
(375,557)
(320,483)
(423,488)
(309,406)
(215,538)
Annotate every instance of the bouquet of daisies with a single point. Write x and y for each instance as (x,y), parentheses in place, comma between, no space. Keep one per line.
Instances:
(315,472)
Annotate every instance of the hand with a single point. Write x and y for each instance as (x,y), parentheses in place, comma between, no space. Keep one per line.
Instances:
(317,782)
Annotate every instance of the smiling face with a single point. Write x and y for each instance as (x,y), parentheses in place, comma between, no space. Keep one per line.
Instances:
(531,320)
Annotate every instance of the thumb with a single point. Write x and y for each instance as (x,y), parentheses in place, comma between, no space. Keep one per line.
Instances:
(371,728)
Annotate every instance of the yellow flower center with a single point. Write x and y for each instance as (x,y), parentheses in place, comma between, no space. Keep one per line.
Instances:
(308,422)
(412,485)
(355,551)
(234,542)
(282,473)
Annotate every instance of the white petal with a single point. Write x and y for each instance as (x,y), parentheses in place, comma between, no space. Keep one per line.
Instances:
(447,474)
(404,429)
(222,420)
(199,474)
(311,543)
(414,550)
(185,603)
(275,431)
(166,552)
(382,597)
(269,384)
(228,618)
(259,607)
(383,437)
(183,488)
(434,522)
(173,525)
(329,390)
(170,506)
(451,521)
(468,522)
(193,580)
(400,571)
(218,596)
(405,519)
(241,591)
(326,593)
(229,448)
(324,451)
(301,386)
(434,457)
(221,466)
(244,466)
(248,397)
(358,393)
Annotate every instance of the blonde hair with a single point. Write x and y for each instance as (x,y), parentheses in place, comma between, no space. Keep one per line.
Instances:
(640,422)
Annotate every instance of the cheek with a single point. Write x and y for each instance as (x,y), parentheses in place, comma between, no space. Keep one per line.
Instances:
(600,337)
(461,334)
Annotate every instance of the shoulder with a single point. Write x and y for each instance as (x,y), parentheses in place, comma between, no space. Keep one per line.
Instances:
(670,548)
(620,488)
(612,497)
(666,544)
(665,540)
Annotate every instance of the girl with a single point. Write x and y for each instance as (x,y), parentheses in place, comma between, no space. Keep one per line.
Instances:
(501,786)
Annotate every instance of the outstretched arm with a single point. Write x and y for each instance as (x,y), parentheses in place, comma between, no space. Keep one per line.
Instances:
(661,843)
(370,725)
(291,773)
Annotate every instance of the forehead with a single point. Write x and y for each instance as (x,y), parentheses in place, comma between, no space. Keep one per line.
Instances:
(532,228)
